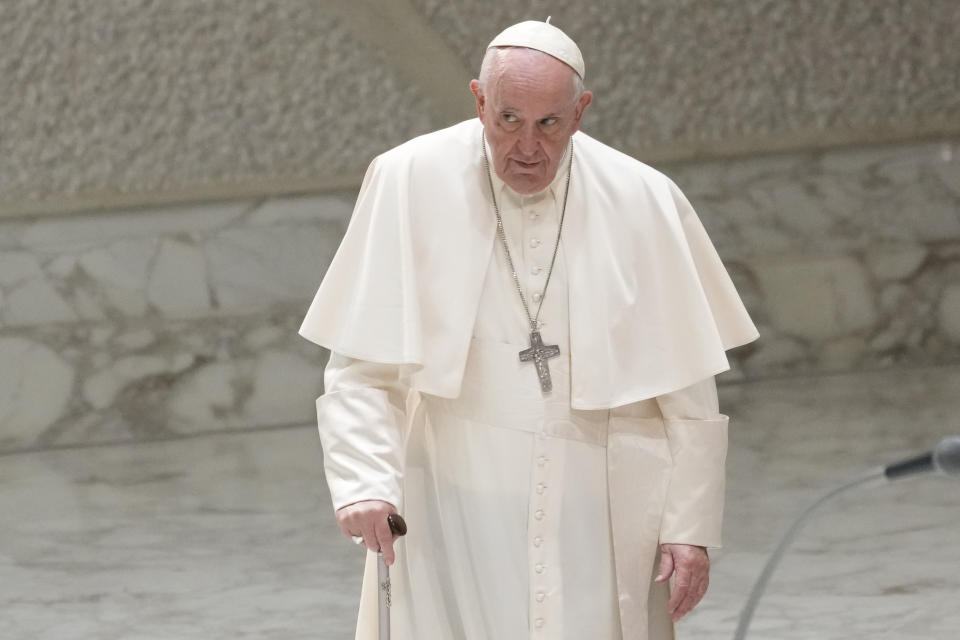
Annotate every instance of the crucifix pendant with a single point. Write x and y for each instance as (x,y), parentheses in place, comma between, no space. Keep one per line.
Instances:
(539,352)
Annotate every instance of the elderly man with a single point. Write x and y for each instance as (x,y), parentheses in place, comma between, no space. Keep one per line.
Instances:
(524,326)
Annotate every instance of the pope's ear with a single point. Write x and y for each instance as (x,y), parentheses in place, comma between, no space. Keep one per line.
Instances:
(478,96)
(585,99)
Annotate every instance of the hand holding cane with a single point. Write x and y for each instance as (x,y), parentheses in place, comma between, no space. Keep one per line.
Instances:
(398,527)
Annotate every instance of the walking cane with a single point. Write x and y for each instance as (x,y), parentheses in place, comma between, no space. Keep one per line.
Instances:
(398,527)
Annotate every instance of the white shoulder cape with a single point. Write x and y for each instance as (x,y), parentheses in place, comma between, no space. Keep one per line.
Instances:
(652,308)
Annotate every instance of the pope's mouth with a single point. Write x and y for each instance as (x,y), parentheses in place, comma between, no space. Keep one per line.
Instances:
(526,165)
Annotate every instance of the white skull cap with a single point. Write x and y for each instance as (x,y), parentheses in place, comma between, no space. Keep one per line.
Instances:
(545,37)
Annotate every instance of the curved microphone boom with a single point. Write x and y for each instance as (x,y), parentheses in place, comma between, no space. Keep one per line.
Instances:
(945,458)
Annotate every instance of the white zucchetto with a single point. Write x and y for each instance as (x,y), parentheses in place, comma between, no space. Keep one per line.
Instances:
(544,37)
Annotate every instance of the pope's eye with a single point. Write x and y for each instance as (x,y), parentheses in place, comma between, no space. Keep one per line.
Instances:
(548,121)
(509,117)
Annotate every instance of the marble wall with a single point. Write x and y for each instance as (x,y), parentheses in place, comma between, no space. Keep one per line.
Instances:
(848,259)
(144,324)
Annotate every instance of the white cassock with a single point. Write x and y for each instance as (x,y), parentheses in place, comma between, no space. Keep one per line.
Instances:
(531,514)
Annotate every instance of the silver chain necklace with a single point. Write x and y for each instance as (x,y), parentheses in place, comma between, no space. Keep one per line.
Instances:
(537,352)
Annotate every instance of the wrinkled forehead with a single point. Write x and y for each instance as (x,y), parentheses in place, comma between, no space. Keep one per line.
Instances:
(529,78)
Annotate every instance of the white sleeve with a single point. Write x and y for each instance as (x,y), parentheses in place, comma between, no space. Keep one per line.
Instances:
(361,419)
(697,436)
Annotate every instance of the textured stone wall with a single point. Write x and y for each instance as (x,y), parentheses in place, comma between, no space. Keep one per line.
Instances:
(678,78)
(136,96)
(137,101)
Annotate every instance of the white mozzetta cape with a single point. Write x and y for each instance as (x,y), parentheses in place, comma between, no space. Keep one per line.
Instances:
(652,308)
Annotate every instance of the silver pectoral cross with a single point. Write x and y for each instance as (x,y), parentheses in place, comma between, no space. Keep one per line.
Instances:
(539,352)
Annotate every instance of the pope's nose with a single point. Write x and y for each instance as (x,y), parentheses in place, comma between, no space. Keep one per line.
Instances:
(528,145)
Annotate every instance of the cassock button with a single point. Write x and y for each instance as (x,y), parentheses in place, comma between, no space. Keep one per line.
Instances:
(535,270)
(534,243)
(533,215)
(537,541)
(536,296)
(541,487)
(540,596)
(538,568)
(542,460)
(538,514)
(539,622)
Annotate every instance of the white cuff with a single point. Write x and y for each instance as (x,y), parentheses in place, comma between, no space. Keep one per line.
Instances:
(362,446)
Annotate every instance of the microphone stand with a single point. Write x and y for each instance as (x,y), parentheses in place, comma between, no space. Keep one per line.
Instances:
(945,457)
(758,587)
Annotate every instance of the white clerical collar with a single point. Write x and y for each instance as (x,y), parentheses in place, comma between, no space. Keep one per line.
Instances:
(554,188)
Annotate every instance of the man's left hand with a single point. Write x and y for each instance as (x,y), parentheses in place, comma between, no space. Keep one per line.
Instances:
(691,567)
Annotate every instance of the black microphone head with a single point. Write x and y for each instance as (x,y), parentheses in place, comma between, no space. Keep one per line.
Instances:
(946,456)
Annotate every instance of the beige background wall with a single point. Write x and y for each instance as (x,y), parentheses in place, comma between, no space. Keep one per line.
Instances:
(124,102)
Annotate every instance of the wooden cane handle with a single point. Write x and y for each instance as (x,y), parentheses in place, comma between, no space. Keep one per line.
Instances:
(397,524)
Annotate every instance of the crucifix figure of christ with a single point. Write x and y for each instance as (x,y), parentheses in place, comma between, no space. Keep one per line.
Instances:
(539,352)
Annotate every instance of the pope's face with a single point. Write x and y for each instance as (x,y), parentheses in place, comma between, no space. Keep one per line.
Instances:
(529,109)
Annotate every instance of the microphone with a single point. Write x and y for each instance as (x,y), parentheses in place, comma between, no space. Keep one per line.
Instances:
(945,457)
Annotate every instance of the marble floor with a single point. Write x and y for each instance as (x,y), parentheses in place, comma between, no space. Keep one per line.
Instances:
(231,535)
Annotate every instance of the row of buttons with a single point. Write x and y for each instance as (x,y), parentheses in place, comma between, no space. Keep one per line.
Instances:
(535,269)
(541,487)
(539,515)
(542,460)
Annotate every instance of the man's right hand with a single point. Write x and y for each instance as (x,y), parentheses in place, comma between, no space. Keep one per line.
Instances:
(368,518)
